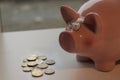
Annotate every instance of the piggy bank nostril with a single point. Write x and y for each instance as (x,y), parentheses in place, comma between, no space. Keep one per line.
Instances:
(67,42)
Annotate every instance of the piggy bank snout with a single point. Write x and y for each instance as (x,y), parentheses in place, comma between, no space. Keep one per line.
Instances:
(67,42)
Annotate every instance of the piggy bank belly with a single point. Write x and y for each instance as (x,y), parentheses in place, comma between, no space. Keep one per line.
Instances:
(104,55)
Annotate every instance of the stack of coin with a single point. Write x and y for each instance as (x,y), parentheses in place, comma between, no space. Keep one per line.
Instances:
(37,65)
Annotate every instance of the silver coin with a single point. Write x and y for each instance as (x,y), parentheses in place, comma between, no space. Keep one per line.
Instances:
(50,62)
(32,63)
(27,69)
(25,60)
(42,57)
(37,72)
(24,64)
(32,58)
(49,71)
(39,61)
(76,26)
(42,66)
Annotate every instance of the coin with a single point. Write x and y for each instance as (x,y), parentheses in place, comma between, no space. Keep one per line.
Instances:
(42,57)
(32,58)
(76,26)
(50,62)
(32,63)
(37,72)
(42,66)
(39,61)
(49,71)
(37,64)
(27,69)
(24,64)
(25,60)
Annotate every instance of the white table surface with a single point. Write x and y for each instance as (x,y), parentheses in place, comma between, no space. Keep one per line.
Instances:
(16,46)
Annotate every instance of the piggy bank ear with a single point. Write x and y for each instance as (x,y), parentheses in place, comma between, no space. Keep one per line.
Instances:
(92,21)
(69,14)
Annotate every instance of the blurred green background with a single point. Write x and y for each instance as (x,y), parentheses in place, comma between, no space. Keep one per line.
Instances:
(19,15)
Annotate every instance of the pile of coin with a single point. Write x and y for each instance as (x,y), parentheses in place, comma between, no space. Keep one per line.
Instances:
(37,65)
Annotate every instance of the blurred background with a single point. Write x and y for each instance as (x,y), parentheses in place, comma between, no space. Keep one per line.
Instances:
(21,15)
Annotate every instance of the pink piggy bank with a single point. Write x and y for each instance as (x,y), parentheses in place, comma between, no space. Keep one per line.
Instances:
(93,33)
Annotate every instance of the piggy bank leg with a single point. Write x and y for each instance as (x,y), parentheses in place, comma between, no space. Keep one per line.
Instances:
(105,66)
(83,59)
